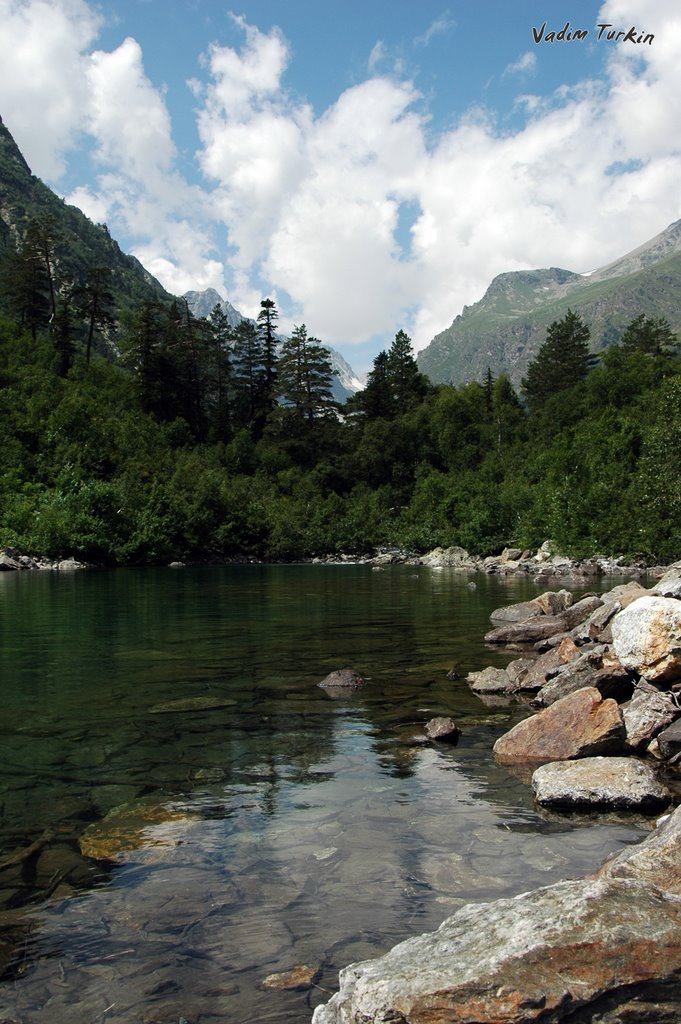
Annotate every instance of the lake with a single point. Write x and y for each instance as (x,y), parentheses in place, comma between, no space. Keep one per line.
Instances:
(201,815)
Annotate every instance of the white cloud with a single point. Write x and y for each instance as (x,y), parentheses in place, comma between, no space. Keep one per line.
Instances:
(524,65)
(308,208)
(438,27)
(127,116)
(42,76)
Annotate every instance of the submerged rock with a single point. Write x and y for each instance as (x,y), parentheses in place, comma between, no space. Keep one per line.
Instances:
(600,781)
(298,977)
(185,704)
(129,828)
(549,955)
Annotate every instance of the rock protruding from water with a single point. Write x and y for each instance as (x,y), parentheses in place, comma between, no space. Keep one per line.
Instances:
(622,782)
(582,724)
(342,680)
(442,730)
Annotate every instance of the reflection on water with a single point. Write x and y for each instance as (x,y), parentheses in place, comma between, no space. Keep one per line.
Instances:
(198,815)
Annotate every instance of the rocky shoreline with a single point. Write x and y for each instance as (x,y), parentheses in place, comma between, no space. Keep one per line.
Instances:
(545,563)
(604,674)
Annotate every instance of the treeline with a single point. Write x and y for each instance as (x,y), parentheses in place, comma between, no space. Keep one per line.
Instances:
(203,441)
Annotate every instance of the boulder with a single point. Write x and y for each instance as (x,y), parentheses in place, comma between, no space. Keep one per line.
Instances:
(548,665)
(518,670)
(8,563)
(592,627)
(591,668)
(490,680)
(582,724)
(657,860)
(625,593)
(528,631)
(669,740)
(648,712)
(559,953)
(577,613)
(623,782)
(342,679)
(443,730)
(550,603)
(670,584)
(647,637)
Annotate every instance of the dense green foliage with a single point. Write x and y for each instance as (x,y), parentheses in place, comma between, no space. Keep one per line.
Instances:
(177,450)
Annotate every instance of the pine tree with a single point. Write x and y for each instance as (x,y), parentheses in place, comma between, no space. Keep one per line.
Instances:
(562,361)
(650,335)
(95,302)
(409,386)
(376,401)
(249,374)
(305,375)
(220,374)
(266,323)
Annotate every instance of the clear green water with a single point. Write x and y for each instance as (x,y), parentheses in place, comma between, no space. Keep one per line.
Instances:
(302,830)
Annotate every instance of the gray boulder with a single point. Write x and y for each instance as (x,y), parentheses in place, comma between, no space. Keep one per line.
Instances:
(656,861)
(669,740)
(648,712)
(442,730)
(529,631)
(565,952)
(647,637)
(623,782)
(490,680)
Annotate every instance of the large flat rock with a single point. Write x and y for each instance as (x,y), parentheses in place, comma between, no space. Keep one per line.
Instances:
(623,782)
(582,724)
(565,952)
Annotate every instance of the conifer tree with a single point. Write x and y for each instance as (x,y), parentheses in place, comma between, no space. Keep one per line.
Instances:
(95,301)
(249,374)
(305,374)
(408,385)
(650,335)
(561,362)
(266,324)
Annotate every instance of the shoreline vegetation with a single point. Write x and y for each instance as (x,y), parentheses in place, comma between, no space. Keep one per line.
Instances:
(165,453)
(543,564)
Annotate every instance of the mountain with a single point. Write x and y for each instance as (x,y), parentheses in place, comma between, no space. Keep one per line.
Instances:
(80,245)
(345,383)
(505,329)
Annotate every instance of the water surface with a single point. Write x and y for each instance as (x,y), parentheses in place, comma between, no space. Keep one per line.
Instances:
(184,856)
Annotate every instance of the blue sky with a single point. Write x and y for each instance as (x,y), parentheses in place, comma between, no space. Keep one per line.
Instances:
(371,166)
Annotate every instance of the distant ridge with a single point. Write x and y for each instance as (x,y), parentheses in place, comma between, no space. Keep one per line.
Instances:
(345,383)
(504,330)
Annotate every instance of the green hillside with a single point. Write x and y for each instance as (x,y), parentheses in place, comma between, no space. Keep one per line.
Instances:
(505,330)
(80,245)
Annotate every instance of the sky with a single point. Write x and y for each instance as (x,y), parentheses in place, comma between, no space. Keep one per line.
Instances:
(371,166)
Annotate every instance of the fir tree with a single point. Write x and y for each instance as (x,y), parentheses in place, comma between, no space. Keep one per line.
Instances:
(562,361)
(650,335)
(305,374)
